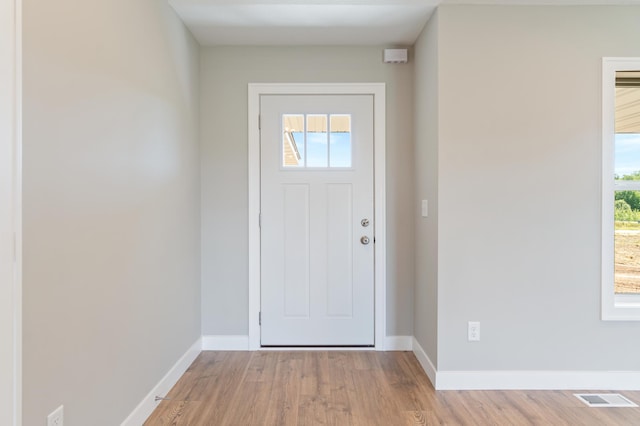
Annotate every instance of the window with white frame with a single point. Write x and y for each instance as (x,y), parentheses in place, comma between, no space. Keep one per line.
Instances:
(621,189)
(316,141)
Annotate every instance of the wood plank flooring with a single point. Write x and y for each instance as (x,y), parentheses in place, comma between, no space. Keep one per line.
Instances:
(356,388)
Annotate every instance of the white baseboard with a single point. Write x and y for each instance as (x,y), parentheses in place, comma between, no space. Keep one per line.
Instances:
(398,343)
(425,362)
(538,380)
(225,343)
(148,404)
(526,380)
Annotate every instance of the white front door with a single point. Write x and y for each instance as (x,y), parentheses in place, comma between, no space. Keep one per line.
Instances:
(317,224)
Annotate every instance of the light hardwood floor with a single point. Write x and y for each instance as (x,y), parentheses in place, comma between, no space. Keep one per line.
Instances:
(356,388)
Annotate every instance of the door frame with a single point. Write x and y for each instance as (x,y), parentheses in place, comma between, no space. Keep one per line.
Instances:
(377,90)
(10,212)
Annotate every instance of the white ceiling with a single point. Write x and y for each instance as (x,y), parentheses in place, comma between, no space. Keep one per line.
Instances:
(323,22)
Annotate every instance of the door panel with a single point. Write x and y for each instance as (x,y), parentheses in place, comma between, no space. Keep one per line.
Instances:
(295,261)
(316,186)
(339,251)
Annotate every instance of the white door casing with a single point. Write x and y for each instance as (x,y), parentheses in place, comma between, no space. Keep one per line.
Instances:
(10,215)
(377,90)
(317,286)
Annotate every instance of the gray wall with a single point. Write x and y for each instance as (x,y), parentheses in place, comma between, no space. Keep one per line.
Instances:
(425,320)
(111,205)
(507,106)
(225,73)
(519,187)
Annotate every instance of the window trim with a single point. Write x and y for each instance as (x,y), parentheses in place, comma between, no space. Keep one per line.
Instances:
(614,307)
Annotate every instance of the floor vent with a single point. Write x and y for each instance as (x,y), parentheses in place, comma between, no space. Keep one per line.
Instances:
(605,400)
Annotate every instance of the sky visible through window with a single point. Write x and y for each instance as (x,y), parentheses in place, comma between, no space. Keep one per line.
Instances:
(627,153)
(317,141)
(340,148)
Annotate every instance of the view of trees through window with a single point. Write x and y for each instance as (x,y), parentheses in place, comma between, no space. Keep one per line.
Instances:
(627,239)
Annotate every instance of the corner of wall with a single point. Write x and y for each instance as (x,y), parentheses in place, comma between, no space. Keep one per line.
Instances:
(426,187)
(149,402)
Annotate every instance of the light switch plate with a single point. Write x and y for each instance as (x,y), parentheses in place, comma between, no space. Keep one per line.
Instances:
(425,208)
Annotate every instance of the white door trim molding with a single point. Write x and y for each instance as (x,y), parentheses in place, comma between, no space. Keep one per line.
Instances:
(379,114)
(10,213)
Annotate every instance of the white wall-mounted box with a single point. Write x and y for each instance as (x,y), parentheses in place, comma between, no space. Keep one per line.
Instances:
(395,56)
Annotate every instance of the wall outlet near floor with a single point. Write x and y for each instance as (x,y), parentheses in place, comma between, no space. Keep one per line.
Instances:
(474,331)
(56,418)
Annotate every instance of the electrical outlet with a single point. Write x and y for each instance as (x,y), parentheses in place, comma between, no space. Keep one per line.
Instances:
(474,331)
(57,417)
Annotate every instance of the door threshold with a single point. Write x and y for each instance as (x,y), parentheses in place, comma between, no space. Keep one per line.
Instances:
(319,348)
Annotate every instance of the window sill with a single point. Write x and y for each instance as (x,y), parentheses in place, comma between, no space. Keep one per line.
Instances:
(624,307)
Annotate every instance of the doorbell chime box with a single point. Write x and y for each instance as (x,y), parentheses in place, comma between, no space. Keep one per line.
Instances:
(395,56)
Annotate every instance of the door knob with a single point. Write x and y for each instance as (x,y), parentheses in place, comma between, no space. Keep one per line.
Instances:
(364,240)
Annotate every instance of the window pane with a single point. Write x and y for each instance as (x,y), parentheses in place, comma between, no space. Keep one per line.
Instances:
(627,156)
(317,143)
(627,125)
(293,140)
(627,241)
(627,177)
(340,141)
(317,140)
